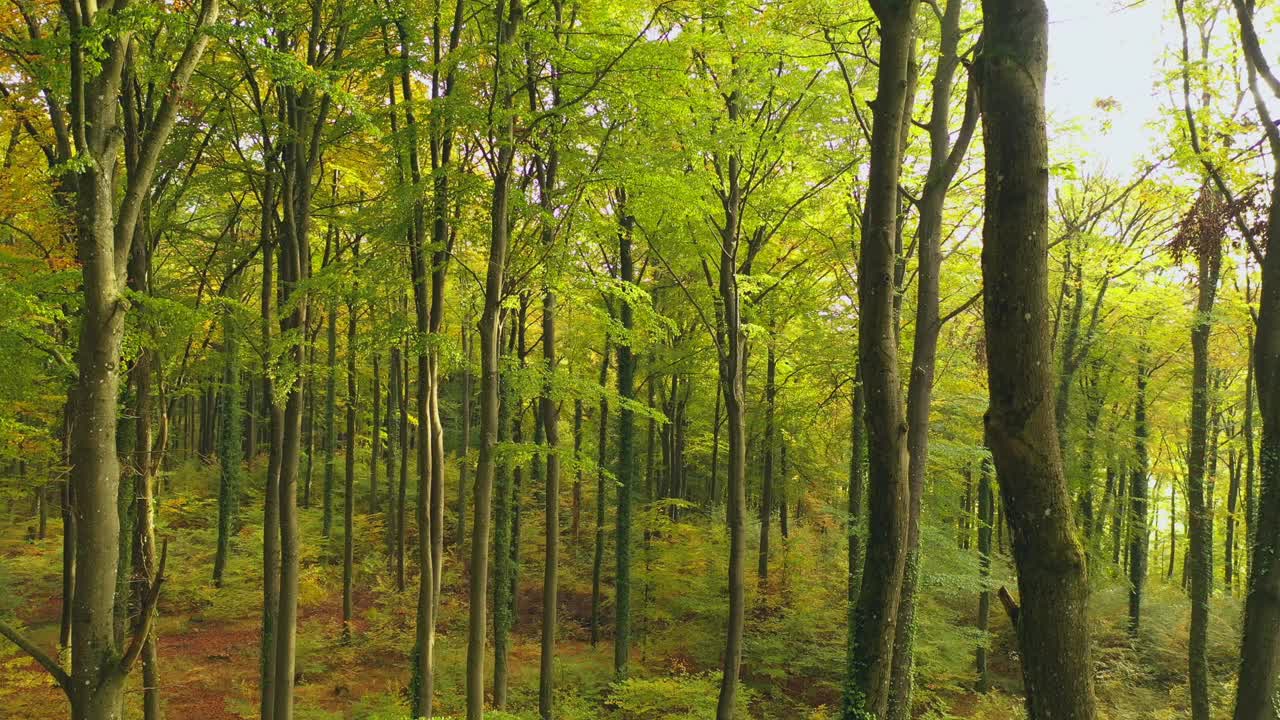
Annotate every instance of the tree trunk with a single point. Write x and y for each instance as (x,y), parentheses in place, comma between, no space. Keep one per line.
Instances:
(349,499)
(1138,497)
(766,480)
(857,451)
(375,437)
(986,518)
(1260,648)
(549,410)
(504,134)
(876,615)
(503,516)
(229,447)
(575,522)
(1052,626)
(944,161)
(396,433)
(626,451)
(1250,512)
(732,361)
(602,455)
(271,491)
(330,418)
(1173,528)
(1200,530)
(464,459)
(1233,499)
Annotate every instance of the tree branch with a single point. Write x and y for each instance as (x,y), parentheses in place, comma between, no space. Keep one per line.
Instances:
(147,617)
(17,638)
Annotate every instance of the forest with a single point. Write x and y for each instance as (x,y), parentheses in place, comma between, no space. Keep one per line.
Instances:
(639,359)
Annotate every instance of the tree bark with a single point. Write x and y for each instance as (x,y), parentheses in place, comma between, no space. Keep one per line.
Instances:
(1200,531)
(766,479)
(330,417)
(229,447)
(944,161)
(375,437)
(1052,627)
(627,471)
(986,519)
(1138,497)
(349,499)
(503,132)
(602,455)
(1260,647)
(876,615)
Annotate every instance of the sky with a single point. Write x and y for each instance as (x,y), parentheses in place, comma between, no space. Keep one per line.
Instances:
(1106,49)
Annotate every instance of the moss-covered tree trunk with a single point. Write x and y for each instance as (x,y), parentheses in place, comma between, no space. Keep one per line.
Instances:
(1199,527)
(1260,648)
(876,614)
(229,448)
(1021,431)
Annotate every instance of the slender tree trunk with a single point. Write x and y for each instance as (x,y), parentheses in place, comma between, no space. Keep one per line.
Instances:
(1052,625)
(627,470)
(649,468)
(575,523)
(1250,512)
(375,437)
(550,415)
(504,583)
(251,421)
(144,538)
(68,537)
(1200,536)
(714,492)
(602,455)
(464,460)
(944,161)
(271,492)
(349,492)
(853,523)
(876,615)
(395,445)
(330,422)
(309,422)
(1138,494)
(1173,527)
(986,518)
(766,480)
(504,134)
(782,493)
(229,446)
(1233,499)
(732,357)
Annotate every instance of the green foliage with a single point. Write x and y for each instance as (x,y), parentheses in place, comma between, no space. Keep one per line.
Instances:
(679,697)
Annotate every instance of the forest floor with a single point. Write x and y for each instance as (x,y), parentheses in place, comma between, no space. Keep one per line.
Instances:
(209,637)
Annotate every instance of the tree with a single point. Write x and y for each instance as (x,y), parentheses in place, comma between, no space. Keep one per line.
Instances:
(501,126)
(888,491)
(1260,651)
(105,228)
(1053,619)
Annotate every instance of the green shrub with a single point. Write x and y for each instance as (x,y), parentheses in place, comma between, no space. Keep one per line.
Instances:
(679,697)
